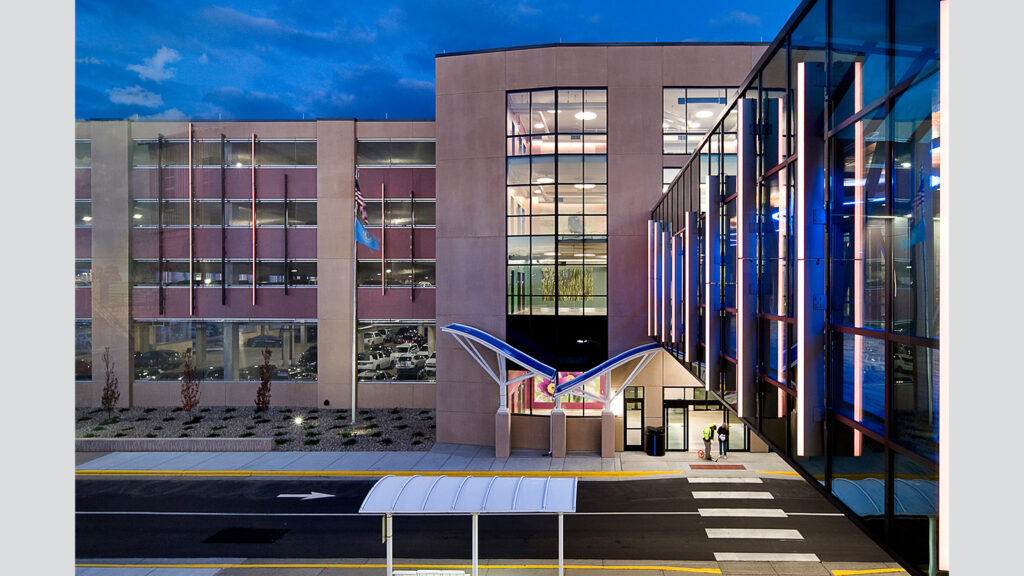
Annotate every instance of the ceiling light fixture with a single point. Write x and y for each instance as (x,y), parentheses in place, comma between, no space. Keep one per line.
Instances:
(538,125)
(906,165)
(585,115)
(665,125)
(137,216)
(537,191)
(583,186)
(545,180)
(704,114)
(694,124)
(86,218)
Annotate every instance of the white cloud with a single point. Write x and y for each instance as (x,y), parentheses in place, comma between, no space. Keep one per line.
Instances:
(737,17)
(416,84)
(170,114)
(203,58)
(87,60)
(135,96)
(155,67)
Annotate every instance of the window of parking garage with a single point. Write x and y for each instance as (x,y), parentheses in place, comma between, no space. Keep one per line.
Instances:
(233,213)
(83,349)
(233,153)
(83,273)
(391,152)
(83,153)
(210,273)
(224,350)
(83,214)
(396,273)
(396,350)
(535,396)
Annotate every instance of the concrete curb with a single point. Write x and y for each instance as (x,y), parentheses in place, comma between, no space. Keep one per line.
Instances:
(174,444)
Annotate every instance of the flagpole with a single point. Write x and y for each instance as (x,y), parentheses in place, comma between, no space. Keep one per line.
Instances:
(355,287)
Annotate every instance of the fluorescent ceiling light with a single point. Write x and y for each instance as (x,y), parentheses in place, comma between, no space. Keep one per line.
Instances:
(906,165)
(665,125)
(704,114)
(137,216)
(86,218)
(583,186)
(545,180)
(585,115)
(538,125)
(694,124)
(537,191)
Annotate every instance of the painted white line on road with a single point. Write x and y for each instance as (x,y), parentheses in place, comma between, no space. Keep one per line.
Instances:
(815,513)
(758,533)
(764,557)
(723,480)
(733,495)
(153,513)
(743,512)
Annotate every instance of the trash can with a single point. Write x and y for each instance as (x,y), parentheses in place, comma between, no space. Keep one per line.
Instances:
(654,442)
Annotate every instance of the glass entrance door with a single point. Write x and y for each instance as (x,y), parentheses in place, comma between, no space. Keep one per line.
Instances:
(633,426)
(677,420)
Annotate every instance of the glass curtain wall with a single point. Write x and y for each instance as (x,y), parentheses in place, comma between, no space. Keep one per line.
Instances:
(557,222)
(882,185)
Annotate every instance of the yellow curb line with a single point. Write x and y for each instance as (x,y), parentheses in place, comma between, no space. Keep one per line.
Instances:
(435,566)
(872,571)
(381,473)
(779,473)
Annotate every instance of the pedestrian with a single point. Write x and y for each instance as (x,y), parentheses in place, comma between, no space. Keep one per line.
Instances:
(709,433)
(723,441)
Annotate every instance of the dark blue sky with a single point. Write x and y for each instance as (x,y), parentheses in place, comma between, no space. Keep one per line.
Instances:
(287,59)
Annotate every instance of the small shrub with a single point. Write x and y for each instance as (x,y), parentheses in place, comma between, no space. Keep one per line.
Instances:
(376,434)
(95,410)
(229,410)
(424,411)
(416,442)
(213,435)
(286,410)
(183,435)
(246,435)
(84,419)
(311,433)
(190,391)
(176,409)
(127,428)
(227,417)
(386,441)
(364,411)
(280,433)
(312,441)
(250,427)
(142,419)
(120,435)
(215,428)
(401,427)
(205,410)
(110,421)
(396,418)
(349,442)
(195,420)
(169,419)
(110,393)
(88,435)
(99,428)
(393,411)
(370,418)
(122,410)
(158,428)
(149,410)
(188,428)
(425,419)
(280,441)
(150,435)
(347,434)
(263,392)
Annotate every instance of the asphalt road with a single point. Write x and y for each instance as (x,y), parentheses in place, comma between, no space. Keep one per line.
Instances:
(637,519)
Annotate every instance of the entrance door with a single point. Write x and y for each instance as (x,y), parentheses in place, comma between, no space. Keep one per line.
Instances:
(677,423)
(633,426)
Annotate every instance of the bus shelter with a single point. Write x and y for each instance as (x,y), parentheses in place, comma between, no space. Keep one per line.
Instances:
(470,496)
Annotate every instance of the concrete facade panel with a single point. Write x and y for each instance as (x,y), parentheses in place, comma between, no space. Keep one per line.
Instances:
(472,204)
(531,432)
(634,66)
(465,427)
(83,242)
(469,127)
(83,183)
(470,284)
(582,66)
(526,69)
(468,73)
(83,302)
(722,66)
(583,434)
(395,394)
(395,129)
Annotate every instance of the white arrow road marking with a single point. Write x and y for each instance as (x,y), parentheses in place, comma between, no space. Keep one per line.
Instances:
(310,496)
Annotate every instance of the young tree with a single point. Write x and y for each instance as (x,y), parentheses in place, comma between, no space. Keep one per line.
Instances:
(263,392)
(189,385)
(110,393)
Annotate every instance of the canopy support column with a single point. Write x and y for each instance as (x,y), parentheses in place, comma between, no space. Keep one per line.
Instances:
(476,544)
(561,544)
(387,539)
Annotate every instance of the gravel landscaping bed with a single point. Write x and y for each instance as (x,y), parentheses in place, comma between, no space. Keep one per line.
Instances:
(308,429)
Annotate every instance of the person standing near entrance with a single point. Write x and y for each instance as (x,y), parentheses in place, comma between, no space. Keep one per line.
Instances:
(723,441)
(709,433)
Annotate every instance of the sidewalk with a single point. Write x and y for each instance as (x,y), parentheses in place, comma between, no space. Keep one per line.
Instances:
(452,459)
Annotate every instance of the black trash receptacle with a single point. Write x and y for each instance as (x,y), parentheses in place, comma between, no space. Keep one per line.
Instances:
(654,442)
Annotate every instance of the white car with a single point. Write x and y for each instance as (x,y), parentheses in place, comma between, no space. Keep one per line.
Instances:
(373,337)
(373,361)
(407,349)
(431,364)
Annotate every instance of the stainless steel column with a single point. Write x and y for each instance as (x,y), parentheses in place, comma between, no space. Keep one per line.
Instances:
(746,258)
(712,283)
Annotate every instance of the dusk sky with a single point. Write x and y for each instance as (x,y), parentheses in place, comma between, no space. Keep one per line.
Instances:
(288,59)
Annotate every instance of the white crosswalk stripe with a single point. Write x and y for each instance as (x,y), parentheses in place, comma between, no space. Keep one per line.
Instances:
(743,512)
(758,533)
(764,557)
(723,480)
(732,495)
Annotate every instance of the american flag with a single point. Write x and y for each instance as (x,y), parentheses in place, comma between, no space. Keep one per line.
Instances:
(360,203)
